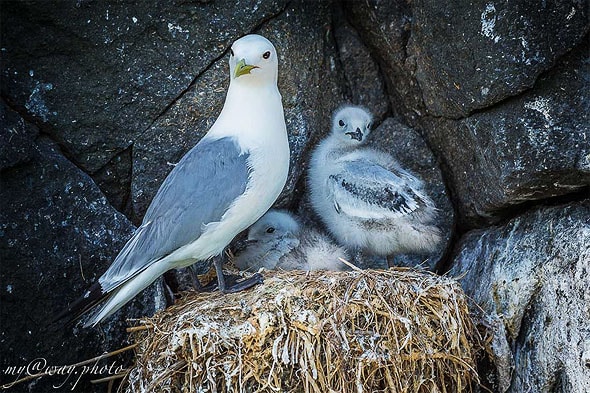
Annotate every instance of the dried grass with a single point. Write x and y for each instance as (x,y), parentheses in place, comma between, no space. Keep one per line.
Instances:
(362,331)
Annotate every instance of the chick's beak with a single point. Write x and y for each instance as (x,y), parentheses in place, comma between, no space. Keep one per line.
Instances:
(358,135)
(242,68)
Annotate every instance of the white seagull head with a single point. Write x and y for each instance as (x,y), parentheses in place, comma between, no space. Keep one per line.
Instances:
(351,125)
(253,60)
(274,225)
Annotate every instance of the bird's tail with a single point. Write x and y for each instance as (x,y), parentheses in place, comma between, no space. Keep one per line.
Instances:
(93,296)
(123,293)
(113,299)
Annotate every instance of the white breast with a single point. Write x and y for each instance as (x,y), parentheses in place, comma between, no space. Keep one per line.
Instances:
(257,121)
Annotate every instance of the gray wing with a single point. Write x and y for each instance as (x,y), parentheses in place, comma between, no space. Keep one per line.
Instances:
(197,191)
(366,190)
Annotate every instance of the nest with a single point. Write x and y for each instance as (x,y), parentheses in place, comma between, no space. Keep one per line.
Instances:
(360,331)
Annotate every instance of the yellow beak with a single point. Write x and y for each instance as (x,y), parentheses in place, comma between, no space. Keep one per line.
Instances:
(242,68)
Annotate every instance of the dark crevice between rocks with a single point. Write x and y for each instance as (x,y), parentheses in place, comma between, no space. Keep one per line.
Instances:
(389,89)
(114,180)
(519,340)
(338,19)
(505,215)
(523,338)
(390,112)
(511,212)
(560,383)
(396,107)
(445,262)
(45,130)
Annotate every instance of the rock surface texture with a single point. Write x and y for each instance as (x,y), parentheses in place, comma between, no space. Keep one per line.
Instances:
(531,276)
(58,234)
(487,101)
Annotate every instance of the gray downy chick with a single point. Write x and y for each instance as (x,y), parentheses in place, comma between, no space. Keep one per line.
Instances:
(363,196)
(278,241)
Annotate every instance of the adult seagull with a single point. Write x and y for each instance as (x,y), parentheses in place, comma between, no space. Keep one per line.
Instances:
(219,188)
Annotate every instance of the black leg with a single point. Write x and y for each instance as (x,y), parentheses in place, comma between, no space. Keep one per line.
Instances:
(195,279)
(226,283)
(218,263)
(237,286)
(231,283)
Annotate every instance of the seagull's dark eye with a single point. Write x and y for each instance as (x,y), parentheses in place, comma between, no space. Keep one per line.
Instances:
(266,54)
(341,123)
(231,52)
(270,230)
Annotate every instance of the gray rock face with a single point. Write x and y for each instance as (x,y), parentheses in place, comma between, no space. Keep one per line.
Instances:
(455,59)
(16,137)
(530,147)
(472,55)
(531,277)
(57,235)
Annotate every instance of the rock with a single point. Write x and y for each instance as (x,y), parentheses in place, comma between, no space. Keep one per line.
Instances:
(114,180)
(365,85)
(472,55)
(410,150)
(16,137)
(385,27)
(98,74)
(465,56)
(307,82)
(531,276)
(57,236)
(534,146)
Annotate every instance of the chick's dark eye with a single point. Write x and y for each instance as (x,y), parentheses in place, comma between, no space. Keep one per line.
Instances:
(231,52)
(341,123)
(266,54)
(270,230)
